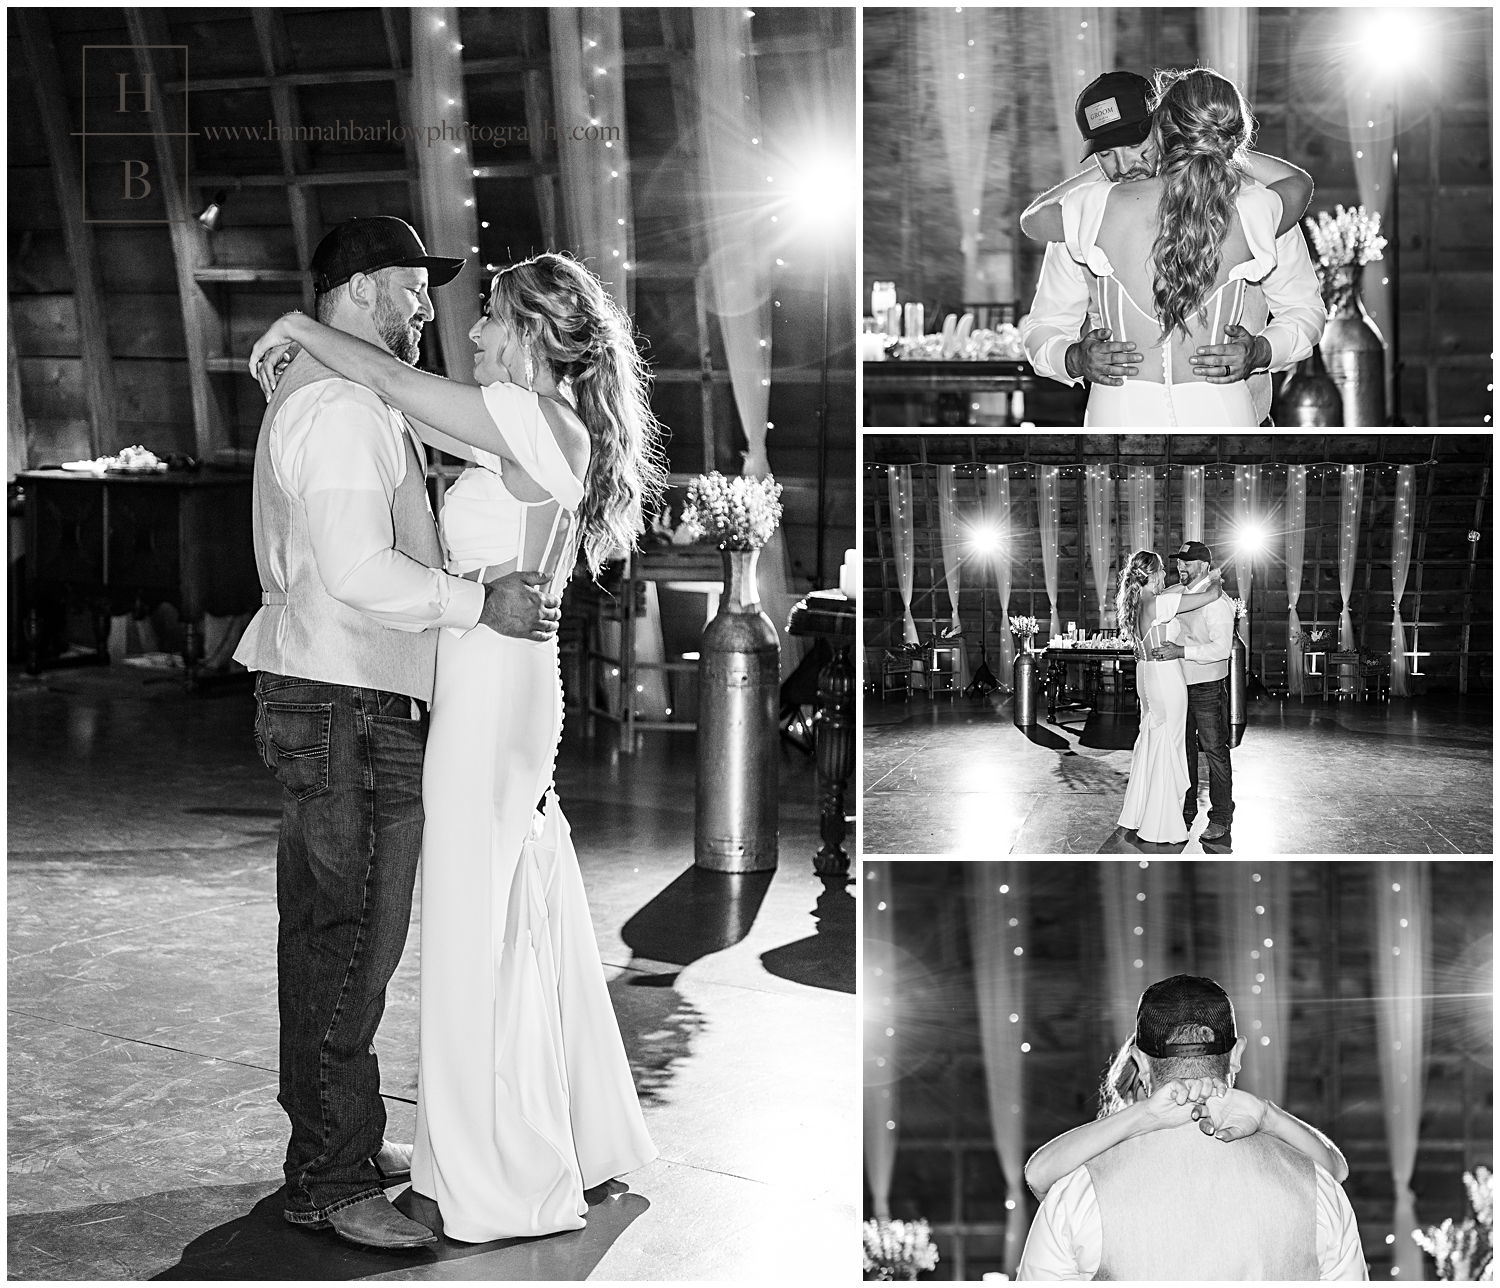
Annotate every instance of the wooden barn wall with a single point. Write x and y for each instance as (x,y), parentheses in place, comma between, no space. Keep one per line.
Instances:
(911,230)
(1447,592)
(946,1167)
(351,65)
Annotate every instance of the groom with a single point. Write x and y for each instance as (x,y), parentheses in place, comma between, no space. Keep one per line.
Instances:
(1208,637)
(1113,116)
(346,645)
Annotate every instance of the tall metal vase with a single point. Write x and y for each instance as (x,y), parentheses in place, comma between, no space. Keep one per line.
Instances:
(1310,397)
(739,686)
(1354,350)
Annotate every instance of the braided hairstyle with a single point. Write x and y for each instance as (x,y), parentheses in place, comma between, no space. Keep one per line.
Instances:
(1140,572)
(1201,126)
(553,301)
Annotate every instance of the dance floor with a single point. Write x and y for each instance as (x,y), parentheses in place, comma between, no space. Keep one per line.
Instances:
(144,1135)
(955,776)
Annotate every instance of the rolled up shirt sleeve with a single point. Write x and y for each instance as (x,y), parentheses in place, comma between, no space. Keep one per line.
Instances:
(346,462)
(1067,1239)
(1295,303)
(1340,1253)
(1058,312)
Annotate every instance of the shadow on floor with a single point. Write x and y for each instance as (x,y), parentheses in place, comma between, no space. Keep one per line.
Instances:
(826,959)
(1121,841)
(698,914)
(261,1245)
(1044,737)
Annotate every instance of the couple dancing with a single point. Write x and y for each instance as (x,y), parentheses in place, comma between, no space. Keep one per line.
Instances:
(409,703)
(1168,255)
(1182,641)
(1185,1176)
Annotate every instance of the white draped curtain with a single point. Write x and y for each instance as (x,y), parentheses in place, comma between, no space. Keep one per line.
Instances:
(997,518)
(739,227)
(998,933)
(1370,103)
(952,541)
(1405,504)
(1140,508)
(898,480)
(449,216)
(1228,42)
(1047,520)
(1137,935)
(1082,49)
(1255,946)
(1246,506)
(958,51)
(1192,503)
(1351,500)
(1098,497)
(882,1031)
(1401,948)
(1296,542)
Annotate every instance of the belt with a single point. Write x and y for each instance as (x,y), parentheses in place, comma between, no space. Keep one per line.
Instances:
(273,597)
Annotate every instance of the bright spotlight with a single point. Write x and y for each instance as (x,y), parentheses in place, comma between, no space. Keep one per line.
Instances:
(1251,539)
(1391,39)
(820,189)
(985,540)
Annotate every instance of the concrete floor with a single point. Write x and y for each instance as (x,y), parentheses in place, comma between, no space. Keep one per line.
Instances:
(1413,776)
(144,1135)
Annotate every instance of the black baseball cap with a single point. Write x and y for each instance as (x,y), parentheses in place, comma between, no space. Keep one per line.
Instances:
(1112,112)
(1184,999)
(379,241)
(1191,550)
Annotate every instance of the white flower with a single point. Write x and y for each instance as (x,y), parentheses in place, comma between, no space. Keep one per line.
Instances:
(732,513)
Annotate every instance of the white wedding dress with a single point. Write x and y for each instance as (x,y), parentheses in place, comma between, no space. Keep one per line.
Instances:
(524,1095)
(1158,765)
(1166,393)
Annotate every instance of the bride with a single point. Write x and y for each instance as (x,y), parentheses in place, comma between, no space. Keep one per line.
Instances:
(524,1097)
(1174,252)
(1158,765)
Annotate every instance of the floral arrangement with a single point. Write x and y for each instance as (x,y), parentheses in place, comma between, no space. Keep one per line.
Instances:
(898,1250)
(1025,627)
(1310,638)
(1238,604)
(732,513)
(983,345)
(1345,241)
(1461,1251)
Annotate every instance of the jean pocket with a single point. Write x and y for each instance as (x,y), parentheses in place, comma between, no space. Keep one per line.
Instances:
(293,738)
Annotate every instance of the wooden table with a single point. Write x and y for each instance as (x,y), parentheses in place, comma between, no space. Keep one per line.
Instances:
(901,376)
(830,615)
(120,543)
(1055,682)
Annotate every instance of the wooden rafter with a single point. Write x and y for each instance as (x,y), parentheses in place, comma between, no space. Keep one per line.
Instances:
(276,54)
(78,234)
(202,328)
(388,19)
(536,87)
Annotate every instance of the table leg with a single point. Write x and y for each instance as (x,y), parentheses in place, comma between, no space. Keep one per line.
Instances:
(32,632)
(101,631)
(834,743)
(192,650)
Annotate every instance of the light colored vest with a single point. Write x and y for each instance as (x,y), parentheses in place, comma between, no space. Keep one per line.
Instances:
(1195,631)
(301,629)
(1181,1205)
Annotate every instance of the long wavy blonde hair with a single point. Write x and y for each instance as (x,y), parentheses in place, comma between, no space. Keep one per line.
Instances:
(587,338)
(1201,126)
(1135,576)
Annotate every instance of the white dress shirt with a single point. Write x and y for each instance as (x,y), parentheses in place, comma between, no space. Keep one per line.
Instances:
(1067,1235)
(1289,293)
(343,452)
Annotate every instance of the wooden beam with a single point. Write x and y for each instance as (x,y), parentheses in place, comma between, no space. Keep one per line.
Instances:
(322,178)
(17,456)
(201,324)
(388,19)
(78,234)
(1463,646)
(536,87)
(302,202)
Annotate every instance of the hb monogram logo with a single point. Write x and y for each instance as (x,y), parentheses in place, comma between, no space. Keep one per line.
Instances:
(135,134)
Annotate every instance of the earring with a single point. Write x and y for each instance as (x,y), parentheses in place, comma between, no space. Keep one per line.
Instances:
(530,370)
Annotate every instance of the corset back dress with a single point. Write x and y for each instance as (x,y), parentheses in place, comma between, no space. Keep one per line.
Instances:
(1158,763)
(525,1096)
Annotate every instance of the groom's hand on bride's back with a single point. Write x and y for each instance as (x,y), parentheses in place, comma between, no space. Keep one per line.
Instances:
(1101,360)
(515,605)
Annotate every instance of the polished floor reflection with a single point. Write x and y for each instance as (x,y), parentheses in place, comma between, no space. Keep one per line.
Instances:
(144,1135)
(955,776)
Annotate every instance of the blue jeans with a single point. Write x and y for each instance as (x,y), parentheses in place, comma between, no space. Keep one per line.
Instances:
(350,764)
(1208,729)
